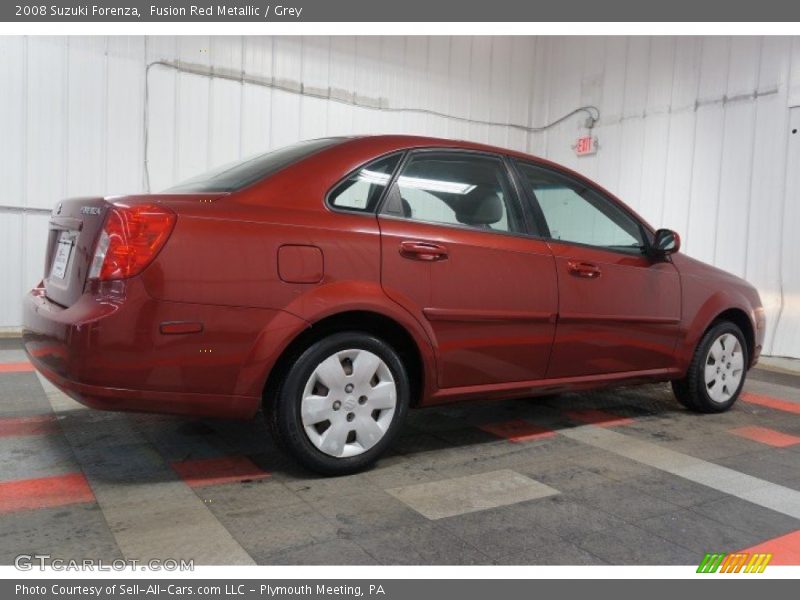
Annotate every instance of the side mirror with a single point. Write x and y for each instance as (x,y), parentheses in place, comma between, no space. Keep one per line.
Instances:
(666,242)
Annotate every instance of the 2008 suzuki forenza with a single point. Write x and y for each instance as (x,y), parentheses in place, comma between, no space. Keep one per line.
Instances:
(338,282)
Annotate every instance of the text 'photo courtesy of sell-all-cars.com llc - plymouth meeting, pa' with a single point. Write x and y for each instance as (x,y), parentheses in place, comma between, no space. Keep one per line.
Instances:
(339,282)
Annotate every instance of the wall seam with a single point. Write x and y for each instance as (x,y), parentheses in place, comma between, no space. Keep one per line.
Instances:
(176,140)
(25,133)
(106,121)
(65,143)
(302,86)
(787,123)
(644,121)
(624,99)
(210,103)
(243,43)
(694,143)
(722,153)
(750,182)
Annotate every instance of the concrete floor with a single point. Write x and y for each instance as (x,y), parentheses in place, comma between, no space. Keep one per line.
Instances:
(623,476)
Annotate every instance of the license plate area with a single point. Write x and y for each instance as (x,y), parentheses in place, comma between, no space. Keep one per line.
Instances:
(63,254)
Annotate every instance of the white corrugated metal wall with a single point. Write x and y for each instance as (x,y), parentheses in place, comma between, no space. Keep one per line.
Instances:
(693,131)
(694,134)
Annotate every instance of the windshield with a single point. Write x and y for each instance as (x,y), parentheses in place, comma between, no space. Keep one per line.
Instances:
(235,176)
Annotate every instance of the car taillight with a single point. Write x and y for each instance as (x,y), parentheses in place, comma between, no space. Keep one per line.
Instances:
(130,240)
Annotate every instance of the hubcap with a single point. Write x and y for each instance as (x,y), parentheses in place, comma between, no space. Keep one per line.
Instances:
(724,368)
(348,403)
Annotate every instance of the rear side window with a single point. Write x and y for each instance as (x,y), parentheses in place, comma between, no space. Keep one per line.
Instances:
(363,189)
(456,189)
(238,175)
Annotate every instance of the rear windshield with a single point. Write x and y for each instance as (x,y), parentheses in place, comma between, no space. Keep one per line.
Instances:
(235,176)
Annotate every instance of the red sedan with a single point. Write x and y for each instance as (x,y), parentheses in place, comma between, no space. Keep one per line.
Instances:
(338,282)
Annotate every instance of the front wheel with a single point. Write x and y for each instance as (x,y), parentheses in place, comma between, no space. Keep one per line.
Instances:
(716,374)
(341,403)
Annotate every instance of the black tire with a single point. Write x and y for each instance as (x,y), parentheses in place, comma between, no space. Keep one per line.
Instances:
(691,391)
(283,410)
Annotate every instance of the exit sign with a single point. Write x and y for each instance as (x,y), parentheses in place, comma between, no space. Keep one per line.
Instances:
(585,145)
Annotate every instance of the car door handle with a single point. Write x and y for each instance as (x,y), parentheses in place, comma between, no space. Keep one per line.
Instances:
(583,269)
(427,251)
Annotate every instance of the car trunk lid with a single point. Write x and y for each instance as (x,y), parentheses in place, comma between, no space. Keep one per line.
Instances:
(75,224)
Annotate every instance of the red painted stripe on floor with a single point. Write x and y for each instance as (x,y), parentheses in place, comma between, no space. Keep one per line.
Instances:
(767,436)
(16,367)
(212,471)
(45,350)
(600,418)
(46,492)
(518,430)
(36,425)
(785,549)
(770,402)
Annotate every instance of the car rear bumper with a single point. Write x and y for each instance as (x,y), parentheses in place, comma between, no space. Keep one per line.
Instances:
(107,351)
(122,399)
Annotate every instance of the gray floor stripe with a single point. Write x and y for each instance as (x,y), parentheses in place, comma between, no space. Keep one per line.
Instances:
(12,355)
(788,379)
(461,495)
(151,513)
(755,490)
(775,390)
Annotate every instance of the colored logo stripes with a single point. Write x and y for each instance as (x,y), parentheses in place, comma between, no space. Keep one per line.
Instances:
(744,562)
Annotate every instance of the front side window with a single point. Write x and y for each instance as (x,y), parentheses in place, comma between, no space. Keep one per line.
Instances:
(363,189)
(238,175)
(576,213)
(456,189)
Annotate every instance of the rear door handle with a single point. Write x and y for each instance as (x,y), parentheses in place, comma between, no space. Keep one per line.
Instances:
(428,251)
(583,269)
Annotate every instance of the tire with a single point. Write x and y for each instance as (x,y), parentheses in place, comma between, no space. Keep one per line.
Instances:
(341,403)
(713,382)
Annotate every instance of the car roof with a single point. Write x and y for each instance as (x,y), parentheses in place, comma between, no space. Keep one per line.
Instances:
(389,142)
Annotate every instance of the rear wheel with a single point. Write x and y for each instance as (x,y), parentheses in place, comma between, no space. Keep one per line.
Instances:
(717,372)
(341,403)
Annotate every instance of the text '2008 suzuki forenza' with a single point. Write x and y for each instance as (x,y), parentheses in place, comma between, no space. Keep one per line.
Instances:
(340,281)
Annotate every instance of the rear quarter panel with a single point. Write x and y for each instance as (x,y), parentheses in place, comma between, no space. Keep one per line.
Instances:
(212,260)
(234,264)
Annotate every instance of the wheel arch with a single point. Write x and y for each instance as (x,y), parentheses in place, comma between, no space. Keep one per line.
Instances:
(738,317)
(721,306)
(368,321)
